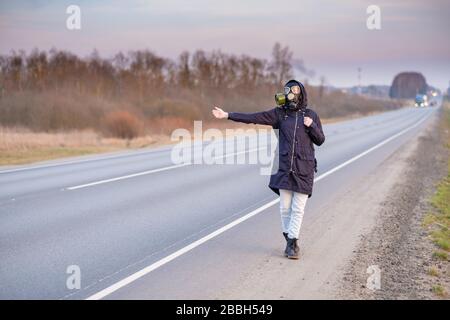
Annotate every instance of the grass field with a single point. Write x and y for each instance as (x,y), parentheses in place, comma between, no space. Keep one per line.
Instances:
(21,146)
(437,221)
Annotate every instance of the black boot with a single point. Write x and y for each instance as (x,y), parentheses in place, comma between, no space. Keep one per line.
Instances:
(292,249)
(296,247)
(287,239)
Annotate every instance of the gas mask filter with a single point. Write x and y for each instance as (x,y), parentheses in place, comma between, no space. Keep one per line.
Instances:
(289,98)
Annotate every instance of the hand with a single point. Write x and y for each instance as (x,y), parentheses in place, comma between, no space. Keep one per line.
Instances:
(307,121)
(219,113)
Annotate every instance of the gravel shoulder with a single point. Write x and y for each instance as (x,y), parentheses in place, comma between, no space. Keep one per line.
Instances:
(398,243)
(375,220)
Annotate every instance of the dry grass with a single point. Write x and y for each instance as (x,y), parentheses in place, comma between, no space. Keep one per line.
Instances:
(439,291)
(433,271)
(437,220)
(123,125)
(20,146)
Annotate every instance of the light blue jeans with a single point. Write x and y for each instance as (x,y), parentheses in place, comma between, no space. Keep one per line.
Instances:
(292,209)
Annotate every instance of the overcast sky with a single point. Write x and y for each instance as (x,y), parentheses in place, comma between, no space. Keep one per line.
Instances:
(330,36)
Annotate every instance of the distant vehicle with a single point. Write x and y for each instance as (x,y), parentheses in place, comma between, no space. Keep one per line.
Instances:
(421,100)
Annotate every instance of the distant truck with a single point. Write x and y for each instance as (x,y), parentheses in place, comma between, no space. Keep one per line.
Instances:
(433,100)
(421,100)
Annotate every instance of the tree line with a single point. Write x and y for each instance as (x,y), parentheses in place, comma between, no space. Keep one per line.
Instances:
(58,90)
(141,74)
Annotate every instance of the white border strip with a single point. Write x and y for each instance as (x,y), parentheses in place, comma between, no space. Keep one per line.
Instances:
(122,283)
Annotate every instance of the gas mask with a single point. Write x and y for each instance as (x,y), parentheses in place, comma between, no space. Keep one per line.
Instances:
(291,96)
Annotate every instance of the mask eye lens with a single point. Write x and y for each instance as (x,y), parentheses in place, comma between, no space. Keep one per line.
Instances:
(287,90)
(295,89)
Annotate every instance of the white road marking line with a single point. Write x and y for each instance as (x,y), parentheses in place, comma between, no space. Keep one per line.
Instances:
(382,143)
(122,283)
(125,154)
(240,152)
(127,176)
(176,254)
(154,171)
(98,158)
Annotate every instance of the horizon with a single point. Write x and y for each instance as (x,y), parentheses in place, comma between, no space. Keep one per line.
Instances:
(330,38)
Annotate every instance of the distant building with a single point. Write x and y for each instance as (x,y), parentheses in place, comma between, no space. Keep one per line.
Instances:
(407,85)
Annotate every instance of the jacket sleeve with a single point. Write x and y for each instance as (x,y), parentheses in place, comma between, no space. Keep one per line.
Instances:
(268,117)
(315,131)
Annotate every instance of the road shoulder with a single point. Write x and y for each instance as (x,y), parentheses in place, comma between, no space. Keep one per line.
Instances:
(398,244)
(334,256)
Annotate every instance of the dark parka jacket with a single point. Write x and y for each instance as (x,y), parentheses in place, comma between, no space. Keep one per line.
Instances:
(297,162)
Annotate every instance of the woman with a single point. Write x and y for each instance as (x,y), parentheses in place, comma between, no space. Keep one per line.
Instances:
(299,129)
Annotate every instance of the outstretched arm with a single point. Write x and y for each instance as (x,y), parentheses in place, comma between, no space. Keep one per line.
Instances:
(268,117)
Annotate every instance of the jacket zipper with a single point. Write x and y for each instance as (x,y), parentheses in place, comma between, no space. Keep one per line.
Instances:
(293,141)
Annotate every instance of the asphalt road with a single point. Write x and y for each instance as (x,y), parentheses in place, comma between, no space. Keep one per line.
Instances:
(120,215)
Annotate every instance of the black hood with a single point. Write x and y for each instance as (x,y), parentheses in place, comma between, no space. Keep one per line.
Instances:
(303,103)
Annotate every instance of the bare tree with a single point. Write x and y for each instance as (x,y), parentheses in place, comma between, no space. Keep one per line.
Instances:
(185,77)
(60,90)
(322,86)
(280,66)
